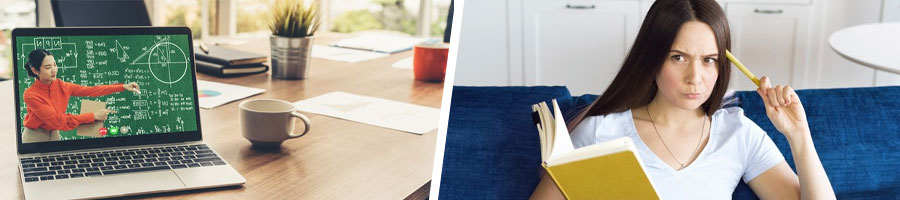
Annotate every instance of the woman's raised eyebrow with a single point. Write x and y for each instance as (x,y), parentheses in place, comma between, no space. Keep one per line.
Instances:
(689,55)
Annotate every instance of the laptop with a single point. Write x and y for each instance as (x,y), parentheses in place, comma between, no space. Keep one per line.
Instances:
(151,143)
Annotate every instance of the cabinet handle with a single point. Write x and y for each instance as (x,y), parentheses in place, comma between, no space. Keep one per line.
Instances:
(765,11)
(570,6)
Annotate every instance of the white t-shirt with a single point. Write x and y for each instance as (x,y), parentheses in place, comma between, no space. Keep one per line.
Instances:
(737,148)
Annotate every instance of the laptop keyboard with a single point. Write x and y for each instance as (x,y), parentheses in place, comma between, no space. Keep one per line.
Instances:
(100,163)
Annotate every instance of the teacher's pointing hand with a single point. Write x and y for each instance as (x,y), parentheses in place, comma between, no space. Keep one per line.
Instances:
(133,87)
(102,114)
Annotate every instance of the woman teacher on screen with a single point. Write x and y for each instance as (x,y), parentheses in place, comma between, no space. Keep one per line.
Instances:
(47,98)
(668,97)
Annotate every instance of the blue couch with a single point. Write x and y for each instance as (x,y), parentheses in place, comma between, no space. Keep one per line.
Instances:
(492,149)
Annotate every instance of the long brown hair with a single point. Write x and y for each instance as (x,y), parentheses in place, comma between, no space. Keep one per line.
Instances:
(635,84)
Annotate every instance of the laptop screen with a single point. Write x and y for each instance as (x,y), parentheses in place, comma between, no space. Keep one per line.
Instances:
(86,87)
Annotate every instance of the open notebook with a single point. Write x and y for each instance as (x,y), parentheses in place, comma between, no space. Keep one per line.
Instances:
(608,170)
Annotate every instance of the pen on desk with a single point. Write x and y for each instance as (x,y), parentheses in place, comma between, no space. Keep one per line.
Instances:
(204,48)
(741,67)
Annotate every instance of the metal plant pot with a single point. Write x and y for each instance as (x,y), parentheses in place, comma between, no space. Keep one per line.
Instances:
(290,57)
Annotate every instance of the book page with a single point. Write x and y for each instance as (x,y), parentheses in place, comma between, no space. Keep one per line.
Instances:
(594,150)
(546,123)
(562,142)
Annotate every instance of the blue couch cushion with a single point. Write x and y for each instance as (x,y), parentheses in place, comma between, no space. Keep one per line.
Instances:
(492,149)
(856,132)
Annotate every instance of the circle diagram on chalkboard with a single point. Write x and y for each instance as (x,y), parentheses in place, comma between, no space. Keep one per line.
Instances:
(168,63)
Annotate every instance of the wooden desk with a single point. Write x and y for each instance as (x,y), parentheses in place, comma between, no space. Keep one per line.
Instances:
(338,159)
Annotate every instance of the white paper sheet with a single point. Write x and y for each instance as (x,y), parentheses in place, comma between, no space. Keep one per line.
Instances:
(380,43)
(373,111)
(406,63)
(344,54)
(214,94)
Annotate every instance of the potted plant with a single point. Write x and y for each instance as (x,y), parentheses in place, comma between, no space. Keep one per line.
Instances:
(293,25)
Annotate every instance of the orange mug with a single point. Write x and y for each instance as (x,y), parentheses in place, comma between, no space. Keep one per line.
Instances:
(430,61)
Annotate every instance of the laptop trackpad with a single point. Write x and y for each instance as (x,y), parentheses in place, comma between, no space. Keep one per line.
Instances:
(162,180)
(104,186)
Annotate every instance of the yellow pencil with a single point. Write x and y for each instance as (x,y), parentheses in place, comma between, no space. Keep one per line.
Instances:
(742,68)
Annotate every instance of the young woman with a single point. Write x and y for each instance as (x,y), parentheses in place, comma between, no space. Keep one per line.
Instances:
(667,98)
(46,100)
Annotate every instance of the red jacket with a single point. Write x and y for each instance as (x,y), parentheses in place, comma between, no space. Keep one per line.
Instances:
(46,104)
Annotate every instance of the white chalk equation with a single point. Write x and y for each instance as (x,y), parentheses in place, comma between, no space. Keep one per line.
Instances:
(65,53)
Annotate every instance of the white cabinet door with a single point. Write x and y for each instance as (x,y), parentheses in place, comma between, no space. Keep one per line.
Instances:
(483,56)
(770,40)
(579,44)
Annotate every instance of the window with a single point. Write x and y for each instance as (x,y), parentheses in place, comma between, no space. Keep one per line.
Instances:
(347,16)
(402,16)
(181,13)
(5,55)
(14,13)
(440,10)
(253,16)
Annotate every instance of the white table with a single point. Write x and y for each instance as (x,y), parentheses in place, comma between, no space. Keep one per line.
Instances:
(875,45)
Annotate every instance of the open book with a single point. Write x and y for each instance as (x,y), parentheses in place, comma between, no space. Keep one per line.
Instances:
(608,170)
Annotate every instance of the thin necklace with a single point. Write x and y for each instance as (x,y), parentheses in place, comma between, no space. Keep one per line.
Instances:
(683,164)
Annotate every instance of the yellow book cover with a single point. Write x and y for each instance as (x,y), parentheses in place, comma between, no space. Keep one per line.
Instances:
(615,176)
(607,170)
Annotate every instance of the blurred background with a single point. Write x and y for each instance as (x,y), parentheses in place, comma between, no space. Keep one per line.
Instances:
(218,20)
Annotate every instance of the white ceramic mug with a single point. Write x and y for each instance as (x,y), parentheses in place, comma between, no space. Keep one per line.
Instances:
(269,122)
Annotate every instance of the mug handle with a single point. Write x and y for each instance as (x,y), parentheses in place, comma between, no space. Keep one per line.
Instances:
(306,122)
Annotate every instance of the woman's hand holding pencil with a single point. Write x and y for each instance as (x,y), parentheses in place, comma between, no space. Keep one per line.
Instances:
(782,104)
(787,114)
(784,109)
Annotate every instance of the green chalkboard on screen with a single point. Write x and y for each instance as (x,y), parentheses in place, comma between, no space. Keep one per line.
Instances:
(160,64)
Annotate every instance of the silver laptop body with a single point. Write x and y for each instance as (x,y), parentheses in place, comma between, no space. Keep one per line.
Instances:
(115,166)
